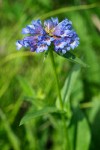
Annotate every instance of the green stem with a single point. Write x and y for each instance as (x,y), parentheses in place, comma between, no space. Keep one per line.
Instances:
(56,77)
(66,140)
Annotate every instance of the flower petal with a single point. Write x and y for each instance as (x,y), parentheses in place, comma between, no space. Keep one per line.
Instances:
(36,22)
(41,47)
(64,25)
(18,45)
(74,44)
(59,44)
(55,21)
(46,39)
(35,28)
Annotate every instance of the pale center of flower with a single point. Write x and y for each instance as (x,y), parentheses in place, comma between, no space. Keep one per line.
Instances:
(49,31)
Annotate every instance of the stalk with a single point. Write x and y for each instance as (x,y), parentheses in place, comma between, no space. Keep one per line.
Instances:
(56,78)
(66,145)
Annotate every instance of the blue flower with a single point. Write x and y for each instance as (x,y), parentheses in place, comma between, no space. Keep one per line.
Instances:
(40,37)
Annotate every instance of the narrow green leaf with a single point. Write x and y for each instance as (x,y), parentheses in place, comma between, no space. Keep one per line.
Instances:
(79,131)
(68,9)
(83,133)
(37,113)
(14,140)
(30,136)
(73,58)
(26,87)
(14,56)
(94,120)
(92,113)
(69,85)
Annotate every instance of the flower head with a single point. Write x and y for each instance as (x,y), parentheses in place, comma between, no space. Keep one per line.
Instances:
(40,37)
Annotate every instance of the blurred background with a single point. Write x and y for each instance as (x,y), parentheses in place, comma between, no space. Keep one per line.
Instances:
(27,81)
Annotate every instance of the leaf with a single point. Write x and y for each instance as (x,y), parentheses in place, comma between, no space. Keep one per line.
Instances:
(92,113)
(14,56)
(14,140)
(83,133)
(79,131)
(73,58)
(94,120)
(68,9)
(77,94)
(38,113)
(69,85)
(27,89)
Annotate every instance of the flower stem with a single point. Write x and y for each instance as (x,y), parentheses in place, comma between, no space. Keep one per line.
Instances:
(66,140)
(56,77)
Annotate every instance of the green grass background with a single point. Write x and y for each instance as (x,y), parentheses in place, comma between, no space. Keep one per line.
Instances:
(27,81)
